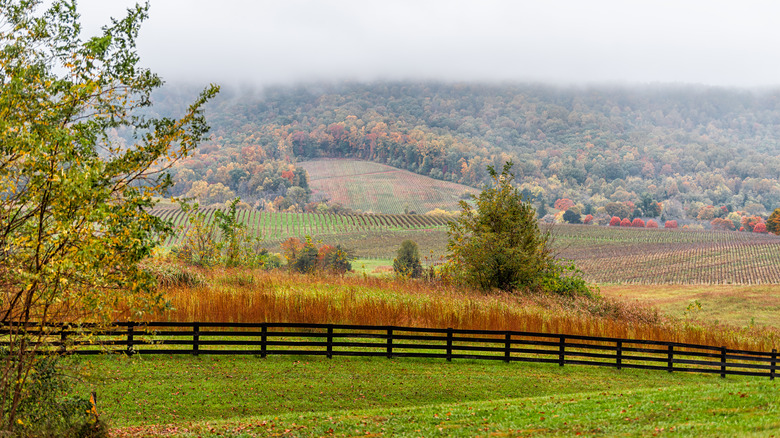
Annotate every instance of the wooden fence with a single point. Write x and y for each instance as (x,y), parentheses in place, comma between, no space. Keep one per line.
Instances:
(264,339)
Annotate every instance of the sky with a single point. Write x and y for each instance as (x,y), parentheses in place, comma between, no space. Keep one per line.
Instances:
(273,42)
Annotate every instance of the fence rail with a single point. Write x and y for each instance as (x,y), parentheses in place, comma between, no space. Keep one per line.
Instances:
(329,340)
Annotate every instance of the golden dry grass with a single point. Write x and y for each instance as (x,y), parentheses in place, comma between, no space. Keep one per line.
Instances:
(258,296)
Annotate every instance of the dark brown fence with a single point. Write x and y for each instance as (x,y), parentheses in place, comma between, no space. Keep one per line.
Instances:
(264,339)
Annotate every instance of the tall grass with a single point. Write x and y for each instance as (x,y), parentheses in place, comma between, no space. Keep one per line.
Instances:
(239,295)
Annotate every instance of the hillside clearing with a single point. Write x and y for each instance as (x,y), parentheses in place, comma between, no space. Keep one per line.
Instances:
(378,188)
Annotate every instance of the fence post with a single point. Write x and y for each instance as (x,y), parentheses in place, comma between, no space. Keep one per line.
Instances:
(774,365)
(330,342)
(619,354)
(195,337)
(722,362)
(63,338)
(449,345)
(507,346)
(389,343)
(130,338)
(562,351)
(670,359)
(263,340)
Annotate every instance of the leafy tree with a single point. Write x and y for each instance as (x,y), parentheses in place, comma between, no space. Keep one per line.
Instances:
(307,260)
(638,223)
(497,244)
(572,217)
(626,222)
(651,224)
(74,204)
(773,223)
(614,222)
(759,228)
(587,219)
(670,224)
(407,260)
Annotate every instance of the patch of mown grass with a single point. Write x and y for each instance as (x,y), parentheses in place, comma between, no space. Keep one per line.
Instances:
(736,305)
(308,396)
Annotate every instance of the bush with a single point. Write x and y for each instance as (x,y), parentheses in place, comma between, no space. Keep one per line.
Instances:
(497,244)
(670,224)
(638,223)
(651,224)
(626,222)
(407,261)
(759,228)
(614,222)
(587,219)
(45,410)
(572,217)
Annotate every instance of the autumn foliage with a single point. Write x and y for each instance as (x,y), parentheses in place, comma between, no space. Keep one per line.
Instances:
(651,224)
(638,223)
(614,222)
(626,222)
(670,224)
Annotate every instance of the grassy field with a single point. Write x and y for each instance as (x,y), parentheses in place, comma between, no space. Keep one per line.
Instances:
(304,396)
(377,188)
(212,396)
(736,305)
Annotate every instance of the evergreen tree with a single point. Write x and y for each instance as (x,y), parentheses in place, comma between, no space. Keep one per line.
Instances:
(407,261)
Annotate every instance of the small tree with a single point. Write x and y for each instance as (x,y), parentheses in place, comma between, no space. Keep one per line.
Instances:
(638,223)
(670,224)
(572,217)
(651,224)
(407,260)
(759,228)
(498,243)
(587,219)
(74,204)
(626,222)
(773,223)
(614,222)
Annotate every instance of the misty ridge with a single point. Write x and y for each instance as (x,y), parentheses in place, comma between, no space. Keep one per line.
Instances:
(697,152)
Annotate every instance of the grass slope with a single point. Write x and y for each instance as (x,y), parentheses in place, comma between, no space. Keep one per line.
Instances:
(377,188)
(245,396)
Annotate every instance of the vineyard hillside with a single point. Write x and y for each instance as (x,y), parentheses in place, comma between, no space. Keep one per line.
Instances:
(378,188)
(604,254)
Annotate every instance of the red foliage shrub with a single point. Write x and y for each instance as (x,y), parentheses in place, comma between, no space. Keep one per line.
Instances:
(625,222)
(638,223)
(651,224)
(722,224)
(614,222)
(670,224)
(750,222)
(587,219)
(760,228)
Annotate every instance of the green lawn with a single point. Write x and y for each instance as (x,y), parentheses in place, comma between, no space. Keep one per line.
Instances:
(309,396)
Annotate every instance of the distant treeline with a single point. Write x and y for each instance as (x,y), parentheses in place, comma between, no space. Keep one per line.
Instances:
(685,147)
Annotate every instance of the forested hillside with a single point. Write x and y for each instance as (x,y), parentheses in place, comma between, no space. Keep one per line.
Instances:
(672,151)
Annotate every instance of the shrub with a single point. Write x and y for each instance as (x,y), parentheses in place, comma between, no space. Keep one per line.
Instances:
(722,224)
(760,228)
(651,224)
(670,224)
(626,222)
(587,219)
(497,244)
(407,261)
(572,217)
(638,223)
(614,222)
